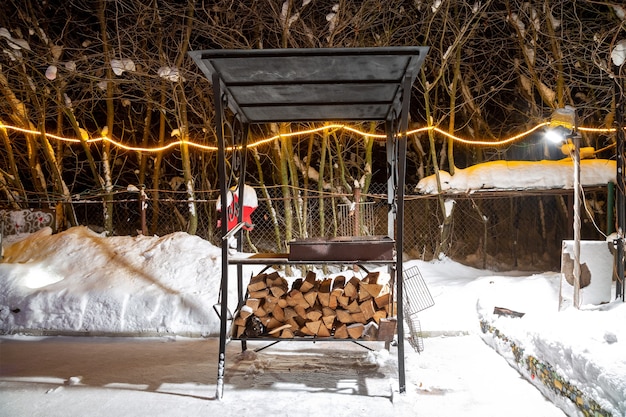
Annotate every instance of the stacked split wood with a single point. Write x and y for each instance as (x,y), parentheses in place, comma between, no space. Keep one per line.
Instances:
(333,308)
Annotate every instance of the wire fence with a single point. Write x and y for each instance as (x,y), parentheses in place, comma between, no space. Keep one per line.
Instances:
(496,230)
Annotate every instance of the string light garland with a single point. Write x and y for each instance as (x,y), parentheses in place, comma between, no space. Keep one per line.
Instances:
(300,133)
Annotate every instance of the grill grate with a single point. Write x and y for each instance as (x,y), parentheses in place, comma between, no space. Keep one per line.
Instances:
(416,298)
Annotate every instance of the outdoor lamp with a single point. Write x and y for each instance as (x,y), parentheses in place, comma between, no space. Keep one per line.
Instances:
(562,124)
(563,129)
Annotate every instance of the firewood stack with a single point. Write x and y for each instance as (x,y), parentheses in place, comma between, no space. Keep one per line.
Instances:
(352,309)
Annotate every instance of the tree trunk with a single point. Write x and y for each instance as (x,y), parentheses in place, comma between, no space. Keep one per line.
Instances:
(106,152)
(183,126)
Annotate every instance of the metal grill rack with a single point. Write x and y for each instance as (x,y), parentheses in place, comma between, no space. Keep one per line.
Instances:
(416,298)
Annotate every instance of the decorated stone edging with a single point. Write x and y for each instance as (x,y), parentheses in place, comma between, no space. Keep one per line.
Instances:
(546,374)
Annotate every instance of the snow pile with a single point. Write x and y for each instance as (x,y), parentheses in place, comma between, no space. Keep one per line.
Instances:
(517,175)
(573,356)
(80,281)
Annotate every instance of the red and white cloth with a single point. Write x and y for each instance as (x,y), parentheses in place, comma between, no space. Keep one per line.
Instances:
(250,203)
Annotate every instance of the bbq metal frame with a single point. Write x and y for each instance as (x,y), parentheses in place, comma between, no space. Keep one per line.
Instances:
(310,85)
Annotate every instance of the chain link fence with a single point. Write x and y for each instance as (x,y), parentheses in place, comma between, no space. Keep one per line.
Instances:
(494,230)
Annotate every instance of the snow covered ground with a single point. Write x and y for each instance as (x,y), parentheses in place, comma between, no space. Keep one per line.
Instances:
(78,282)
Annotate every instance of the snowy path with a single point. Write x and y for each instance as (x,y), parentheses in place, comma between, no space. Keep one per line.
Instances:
(61,376)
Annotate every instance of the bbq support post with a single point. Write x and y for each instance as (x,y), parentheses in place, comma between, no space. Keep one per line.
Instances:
(221,166)
(401,141)
(311,85)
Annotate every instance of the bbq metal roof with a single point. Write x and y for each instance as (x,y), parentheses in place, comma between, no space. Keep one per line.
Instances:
(302,85)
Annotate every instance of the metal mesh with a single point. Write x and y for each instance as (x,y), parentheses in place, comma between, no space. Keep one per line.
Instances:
(416,294)
(415,338)
(416,298)
(357,219)
(497,231)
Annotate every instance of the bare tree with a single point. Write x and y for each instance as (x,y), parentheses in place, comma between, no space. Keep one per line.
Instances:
(87,68)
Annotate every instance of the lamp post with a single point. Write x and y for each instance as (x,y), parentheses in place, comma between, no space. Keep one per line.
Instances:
(620,203)
(564,120)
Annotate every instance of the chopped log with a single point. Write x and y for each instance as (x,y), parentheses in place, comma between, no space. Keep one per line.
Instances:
(310,297)
(314,326)
(329,321)
(372,277)
(301,311)
(278,330)
(309,282)
(353,307)
(341,332)
(364,296)
(359,317)
(295,298)
(327,311)
(265,320)
(260,312)
(324,298)
(502,311)
(323,292)
(270,302)
(278,291)
(367,308)
(296,284)
(386,329)
(253,303)
(344,316)
(273,323)
(328,317)
(314,314)
(278,313)
(245,311)
(339,282)
(378,315)
(343,301)
(355,330)
(391,308)
(323,331)
(259,294)
(273,278)
(352,287)
(304,330)
(240,321)
(373,290)
(239,331)
(282,303)
(382,300)
(294,324)
(257,283)
(286,334)
(334,296)
(333,301)
(289,313)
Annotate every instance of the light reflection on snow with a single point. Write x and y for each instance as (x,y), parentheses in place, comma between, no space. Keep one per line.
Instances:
(37,277)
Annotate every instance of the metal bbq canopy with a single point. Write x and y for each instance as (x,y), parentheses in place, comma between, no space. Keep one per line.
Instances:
(310,85)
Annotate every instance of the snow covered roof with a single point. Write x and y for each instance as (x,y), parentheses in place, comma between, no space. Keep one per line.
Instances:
(520,175)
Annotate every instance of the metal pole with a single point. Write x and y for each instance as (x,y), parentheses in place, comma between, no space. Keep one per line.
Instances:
(620,200)
(576,139)
(241,185)
(221,166)
(401,141)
